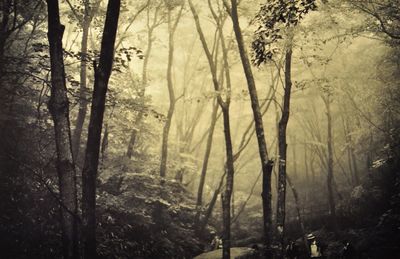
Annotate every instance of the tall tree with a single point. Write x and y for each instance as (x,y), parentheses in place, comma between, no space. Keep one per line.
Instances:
(266,163)
(327,98)
(172,25)
(205,161)
(89,173)
(224,104)
(271,18)
(282,146)
(59,109)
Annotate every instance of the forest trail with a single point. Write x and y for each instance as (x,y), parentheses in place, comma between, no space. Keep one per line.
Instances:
(236,252)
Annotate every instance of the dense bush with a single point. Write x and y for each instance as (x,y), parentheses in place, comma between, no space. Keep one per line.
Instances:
(142,215)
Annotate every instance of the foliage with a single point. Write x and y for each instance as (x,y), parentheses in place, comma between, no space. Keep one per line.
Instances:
(143,215)
(385,16)
(272,20)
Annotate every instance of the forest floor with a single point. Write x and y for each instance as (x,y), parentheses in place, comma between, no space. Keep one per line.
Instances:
(236,252)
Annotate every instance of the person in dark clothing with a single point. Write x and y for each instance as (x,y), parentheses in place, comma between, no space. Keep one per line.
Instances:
(292,251)
(348,251)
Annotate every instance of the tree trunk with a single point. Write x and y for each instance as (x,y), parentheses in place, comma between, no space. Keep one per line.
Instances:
(5,10)
(142,91)
(330,177)
(83,103)
(266,164)
(226,196)
(89,173)
(298,210)
(280,213)
(350,152)
(210,207)
(165,137)
(132,141)
(59,109)
(205,161)
(171,93)
(354,163)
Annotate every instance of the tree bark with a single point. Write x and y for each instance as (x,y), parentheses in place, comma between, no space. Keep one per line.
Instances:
(282,126)
(59,110)
(89,173)
(266,164)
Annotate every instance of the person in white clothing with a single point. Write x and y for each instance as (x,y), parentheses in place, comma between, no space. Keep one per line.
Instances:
(314,247)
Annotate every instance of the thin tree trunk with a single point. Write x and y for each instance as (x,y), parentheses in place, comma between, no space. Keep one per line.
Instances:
(205,161)
(211,205)
(142,91)
(281,211)
(313,180)
(354,163)
(132,141)
(89,173)
(266,164)
(306,189)
(59,109)
(351,155)
(226,196)
(171,93)
(165,137)
(330,176)
(242,207)
(298,210)
(83,103)
(6,10)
